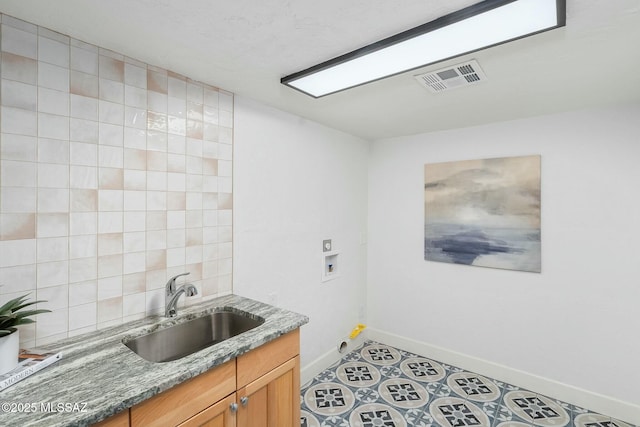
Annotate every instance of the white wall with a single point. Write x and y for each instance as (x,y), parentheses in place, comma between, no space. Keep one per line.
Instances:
(296,183)
(577,322)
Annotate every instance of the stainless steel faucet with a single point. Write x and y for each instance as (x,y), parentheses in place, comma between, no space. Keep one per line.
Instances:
(172,294)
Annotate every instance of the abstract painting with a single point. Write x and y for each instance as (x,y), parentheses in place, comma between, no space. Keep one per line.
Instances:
(484,213)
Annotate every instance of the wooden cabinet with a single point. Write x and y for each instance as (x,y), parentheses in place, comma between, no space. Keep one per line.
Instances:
(260,388)
(269,384)
(220,414)
(185,400)
(272,400)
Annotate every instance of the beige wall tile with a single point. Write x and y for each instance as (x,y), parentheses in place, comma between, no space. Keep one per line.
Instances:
(52,273)
(54,324)
(53,77)
(110,244)
(18,147)
(53,51)
(53,249)
(135,97)
(109,266)
(83,200)
(56,297)
(110,157)
(134,262)
(19,95)
(156,239)
(53,151)
(53,200)
(134,241)
(106,166)
(110,222)
(19,68)
(134,200)
(19,42)
(84,84)
(156,279)
(134,283)
(83,270)
(156,259)
(52,225)
(19,121)
(18,174)
(84,60)
(135,76)
(109,309)
(84,107)
(82,223)
(133,304)
(135,221)
(53,176)
(157,81)
(83,154)
(111,134)
(112,69)
(82,246)
(194,236)
(111,112)
(83,316)
(176,201)
(18,200)
(83,293)
(17,226)
(135,117)
(110,200)
(176,238)
(18,279)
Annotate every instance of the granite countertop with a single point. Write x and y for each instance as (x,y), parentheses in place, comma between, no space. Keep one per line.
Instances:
(98,376)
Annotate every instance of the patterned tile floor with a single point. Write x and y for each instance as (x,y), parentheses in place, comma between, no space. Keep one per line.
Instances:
(381,386)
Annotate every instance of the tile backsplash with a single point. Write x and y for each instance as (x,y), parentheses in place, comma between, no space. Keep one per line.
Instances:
(114,176)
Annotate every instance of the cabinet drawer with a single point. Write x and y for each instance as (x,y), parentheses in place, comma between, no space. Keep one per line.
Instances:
(263,359)
(182,401)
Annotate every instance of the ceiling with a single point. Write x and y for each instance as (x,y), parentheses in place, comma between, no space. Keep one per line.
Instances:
(246,46)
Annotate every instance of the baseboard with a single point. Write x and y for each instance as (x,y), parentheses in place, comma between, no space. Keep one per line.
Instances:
(605,405)
(312,369)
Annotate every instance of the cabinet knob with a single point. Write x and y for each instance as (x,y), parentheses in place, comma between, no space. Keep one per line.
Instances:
(244,400)
(233,407)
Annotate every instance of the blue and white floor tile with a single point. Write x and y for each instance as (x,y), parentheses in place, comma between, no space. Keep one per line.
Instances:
(381,386)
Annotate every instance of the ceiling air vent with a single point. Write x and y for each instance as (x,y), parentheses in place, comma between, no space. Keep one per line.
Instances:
(459,75)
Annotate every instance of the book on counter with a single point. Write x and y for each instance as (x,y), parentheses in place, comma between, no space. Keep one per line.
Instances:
(29,362)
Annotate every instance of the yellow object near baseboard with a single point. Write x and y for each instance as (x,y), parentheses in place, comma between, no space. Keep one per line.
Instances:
(356,331)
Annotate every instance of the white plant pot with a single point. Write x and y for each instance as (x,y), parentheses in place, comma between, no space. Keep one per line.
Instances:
(9,347)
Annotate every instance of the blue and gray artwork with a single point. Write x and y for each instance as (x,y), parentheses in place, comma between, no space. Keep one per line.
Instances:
(484,213)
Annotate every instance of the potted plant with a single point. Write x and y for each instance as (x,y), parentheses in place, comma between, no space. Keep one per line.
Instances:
(12,314)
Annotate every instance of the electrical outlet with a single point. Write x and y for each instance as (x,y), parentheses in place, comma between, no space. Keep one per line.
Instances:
(326,245)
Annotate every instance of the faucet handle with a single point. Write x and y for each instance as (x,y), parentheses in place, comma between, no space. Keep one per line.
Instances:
(171,284)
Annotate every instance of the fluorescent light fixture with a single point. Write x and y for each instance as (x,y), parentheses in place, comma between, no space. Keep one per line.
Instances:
(482,25)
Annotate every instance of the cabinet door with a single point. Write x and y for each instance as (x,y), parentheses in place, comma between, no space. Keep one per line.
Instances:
(185,400)
(222,414)
(272,400)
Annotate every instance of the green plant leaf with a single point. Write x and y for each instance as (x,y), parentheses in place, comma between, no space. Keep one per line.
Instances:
(9,305)
(12,313)
(20,307)
(23,314)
